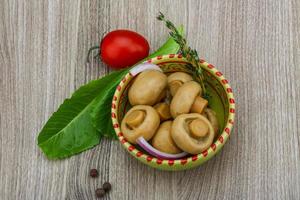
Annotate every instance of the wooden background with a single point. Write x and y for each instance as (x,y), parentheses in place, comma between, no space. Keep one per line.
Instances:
(256,45)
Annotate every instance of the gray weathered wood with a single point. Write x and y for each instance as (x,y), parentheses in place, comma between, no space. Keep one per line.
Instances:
(255,43)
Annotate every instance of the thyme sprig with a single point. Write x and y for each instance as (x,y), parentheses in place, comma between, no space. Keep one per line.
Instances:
(190,54)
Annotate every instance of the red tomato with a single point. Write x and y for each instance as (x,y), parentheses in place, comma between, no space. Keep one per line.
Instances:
(123,48)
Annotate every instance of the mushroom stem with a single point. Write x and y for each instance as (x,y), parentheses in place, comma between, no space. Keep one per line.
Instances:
(135,118)
(163,110)
(198,128)
(199,105)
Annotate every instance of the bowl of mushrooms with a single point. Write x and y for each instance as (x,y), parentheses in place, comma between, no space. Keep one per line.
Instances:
(163,119)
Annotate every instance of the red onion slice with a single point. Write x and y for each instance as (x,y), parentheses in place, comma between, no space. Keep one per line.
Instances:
(143,67)
(150,149)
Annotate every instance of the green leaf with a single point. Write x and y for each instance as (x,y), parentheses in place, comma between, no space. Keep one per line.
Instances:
(70,130)
(81,121)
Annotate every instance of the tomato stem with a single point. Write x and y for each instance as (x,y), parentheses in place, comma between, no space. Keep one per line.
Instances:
(90,51)
(97,56)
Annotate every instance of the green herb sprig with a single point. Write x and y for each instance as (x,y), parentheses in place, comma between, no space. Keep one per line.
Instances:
(190,54)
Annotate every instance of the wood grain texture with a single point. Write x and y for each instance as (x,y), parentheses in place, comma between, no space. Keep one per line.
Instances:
(255,43)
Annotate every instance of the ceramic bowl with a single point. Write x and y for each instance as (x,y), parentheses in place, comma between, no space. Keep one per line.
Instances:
(220,97)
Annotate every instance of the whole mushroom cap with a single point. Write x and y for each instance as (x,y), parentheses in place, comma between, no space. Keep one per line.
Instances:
(163,140)
(184,98)
(192,133)
(140,121)
(148,88)
(176,80)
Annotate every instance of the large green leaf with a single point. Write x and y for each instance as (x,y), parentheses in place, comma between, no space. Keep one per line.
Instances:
(81,121)
(70,130)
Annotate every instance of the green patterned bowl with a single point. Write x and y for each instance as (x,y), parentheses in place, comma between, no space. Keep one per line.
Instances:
(221,100)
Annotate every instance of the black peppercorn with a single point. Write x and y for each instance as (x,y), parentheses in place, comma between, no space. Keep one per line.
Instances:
(100,192)
(94,173)
(106,186)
